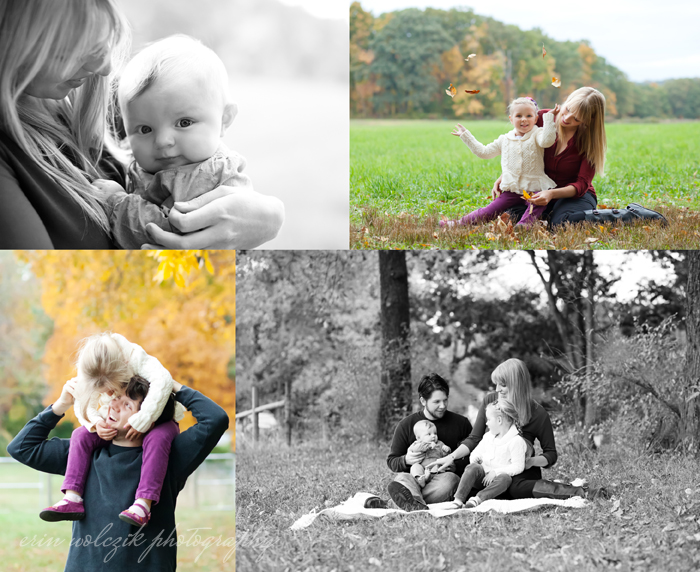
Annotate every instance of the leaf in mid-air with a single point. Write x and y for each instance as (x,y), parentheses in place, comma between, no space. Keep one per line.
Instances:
(556,82)
(452,91)
(544,52)
(472,91)
(470,56)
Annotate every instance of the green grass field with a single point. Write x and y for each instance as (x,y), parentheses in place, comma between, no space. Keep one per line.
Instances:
(19,519)
(406,175)
(652,521)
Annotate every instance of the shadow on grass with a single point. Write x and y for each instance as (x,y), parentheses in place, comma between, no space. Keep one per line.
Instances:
(382,231)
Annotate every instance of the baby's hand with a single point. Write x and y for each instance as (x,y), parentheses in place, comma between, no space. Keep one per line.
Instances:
(104,188)
(555,111)
(459,130)
(104,431)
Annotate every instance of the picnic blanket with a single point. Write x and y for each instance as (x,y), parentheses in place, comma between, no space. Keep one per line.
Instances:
(354,509)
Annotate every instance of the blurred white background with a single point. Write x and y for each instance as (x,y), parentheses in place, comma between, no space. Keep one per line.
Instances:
(289,76)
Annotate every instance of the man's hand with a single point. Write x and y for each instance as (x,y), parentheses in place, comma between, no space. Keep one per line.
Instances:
(67,397)
(132,434)
(104,431)
(488,478)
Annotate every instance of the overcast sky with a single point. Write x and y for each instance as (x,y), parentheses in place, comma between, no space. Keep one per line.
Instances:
(649,40)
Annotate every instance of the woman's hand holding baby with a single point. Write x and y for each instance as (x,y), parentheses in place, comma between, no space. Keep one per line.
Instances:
(459,130)
(104,431)
(225,218)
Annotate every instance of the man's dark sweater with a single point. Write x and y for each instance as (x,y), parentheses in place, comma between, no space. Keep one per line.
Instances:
(452,429)
(101,541)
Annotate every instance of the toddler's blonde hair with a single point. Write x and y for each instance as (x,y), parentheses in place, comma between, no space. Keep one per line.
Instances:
(102,366)
(177,56)
(522,100)
(506,408)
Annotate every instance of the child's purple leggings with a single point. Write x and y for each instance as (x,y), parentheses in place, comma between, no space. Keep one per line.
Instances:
(501,204)
(156,452)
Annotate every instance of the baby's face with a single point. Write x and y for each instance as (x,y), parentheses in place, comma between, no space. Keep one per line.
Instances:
(426,433)
(173,123)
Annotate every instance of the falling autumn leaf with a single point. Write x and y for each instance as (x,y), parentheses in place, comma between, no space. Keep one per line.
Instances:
(556,82)
(452,91)
(472,91)
(470,56)
(544,52)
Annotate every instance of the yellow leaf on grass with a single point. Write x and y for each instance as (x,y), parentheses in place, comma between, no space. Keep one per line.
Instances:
(590,240)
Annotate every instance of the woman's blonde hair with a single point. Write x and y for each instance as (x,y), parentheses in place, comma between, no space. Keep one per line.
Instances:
(45,36)
(508,410)
(588,106)
(514,375)
(102,366)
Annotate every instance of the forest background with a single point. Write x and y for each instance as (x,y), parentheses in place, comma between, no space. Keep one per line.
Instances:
(401,62)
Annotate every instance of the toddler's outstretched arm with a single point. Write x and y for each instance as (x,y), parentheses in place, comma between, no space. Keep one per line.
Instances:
(489,151)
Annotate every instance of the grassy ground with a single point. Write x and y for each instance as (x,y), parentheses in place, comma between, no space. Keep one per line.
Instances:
(19,519)
(651,522)
(406,175)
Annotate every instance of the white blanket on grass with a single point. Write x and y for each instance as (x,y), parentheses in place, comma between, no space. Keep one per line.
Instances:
(354,509)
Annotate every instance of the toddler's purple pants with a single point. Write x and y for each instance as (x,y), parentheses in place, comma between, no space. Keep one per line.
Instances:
(156,452)
(501,204)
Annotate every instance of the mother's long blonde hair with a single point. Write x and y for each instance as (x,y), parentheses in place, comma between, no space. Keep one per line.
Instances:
(513,373)
(588,106)
(45,36)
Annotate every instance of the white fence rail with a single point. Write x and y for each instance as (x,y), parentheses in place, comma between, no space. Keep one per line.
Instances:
(48,490)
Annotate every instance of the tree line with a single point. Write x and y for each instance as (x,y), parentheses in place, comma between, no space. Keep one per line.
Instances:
(353,333)
(401,63)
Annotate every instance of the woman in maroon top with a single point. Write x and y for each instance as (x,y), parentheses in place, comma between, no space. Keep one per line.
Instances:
(512,380)
(578,154)
(57,136)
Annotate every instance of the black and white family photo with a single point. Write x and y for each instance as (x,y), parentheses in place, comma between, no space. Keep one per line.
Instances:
(468,411)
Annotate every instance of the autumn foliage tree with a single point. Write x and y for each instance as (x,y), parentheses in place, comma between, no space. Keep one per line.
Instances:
(178,305)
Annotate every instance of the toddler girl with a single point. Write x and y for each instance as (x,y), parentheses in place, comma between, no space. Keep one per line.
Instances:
(522,161)
(175,103)
(499,456)
(426,442)
(106,363)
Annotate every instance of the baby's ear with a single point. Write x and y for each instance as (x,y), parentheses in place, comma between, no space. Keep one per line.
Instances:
(230,112)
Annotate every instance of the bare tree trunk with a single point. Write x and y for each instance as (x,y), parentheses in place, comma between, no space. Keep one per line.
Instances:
(690,404)
(395,390)
(590,415)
